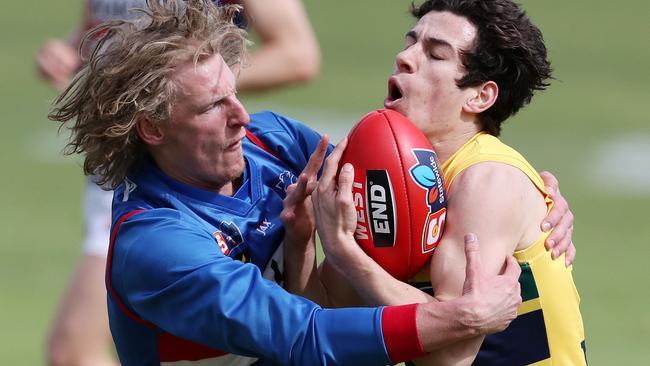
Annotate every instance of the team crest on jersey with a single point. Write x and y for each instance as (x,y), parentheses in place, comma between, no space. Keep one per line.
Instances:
(427,175)
(228,236)
(285,179)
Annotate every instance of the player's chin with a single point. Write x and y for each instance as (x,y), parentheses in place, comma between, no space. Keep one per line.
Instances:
(235,165)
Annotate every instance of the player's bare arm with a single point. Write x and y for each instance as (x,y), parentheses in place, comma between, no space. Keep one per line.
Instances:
(502,206)
(374,286)
(488,303)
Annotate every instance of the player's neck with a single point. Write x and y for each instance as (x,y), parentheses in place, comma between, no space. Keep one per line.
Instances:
(445,145)
(230,188)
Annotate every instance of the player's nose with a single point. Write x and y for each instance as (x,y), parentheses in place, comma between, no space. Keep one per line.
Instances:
(404,61)
(238,114)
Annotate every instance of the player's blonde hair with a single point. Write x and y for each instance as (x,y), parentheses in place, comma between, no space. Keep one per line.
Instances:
(128,77)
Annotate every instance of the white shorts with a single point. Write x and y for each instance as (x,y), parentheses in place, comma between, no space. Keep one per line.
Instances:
(97,219)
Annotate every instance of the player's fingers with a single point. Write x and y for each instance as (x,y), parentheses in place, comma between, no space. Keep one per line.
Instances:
(512,270)
(562,243)
(558,212)
(287,216)
(332,165)
(311,186)
(560,205)
(287,213)
(346,178)
(473,262)
(316,158)
(289,199)
(296,191)
(291,188)
(549,180)
(562,232)
(570,255)
(301,187)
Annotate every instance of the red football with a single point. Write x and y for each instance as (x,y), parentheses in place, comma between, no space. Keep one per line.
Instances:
(398,192)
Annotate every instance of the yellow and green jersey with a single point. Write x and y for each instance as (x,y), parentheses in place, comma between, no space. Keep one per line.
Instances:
(548,329)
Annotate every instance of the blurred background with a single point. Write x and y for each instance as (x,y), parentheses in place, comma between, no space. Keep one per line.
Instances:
(591,129)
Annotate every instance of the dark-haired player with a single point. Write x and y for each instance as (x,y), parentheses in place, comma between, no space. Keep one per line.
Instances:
(466,67)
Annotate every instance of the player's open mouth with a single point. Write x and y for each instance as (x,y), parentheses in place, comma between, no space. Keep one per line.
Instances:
(394,93)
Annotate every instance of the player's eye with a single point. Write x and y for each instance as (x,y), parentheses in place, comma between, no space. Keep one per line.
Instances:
(214,106)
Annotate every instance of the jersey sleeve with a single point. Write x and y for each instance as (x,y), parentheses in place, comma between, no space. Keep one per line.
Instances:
(292,140)
(173,275)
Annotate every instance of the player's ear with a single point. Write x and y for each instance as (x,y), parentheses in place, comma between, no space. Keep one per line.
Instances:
(484,97)
(151,133)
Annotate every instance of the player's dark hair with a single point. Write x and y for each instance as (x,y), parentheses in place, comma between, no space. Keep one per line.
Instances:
(509,50)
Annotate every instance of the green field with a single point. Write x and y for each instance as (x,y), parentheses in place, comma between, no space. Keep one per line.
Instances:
(593,115)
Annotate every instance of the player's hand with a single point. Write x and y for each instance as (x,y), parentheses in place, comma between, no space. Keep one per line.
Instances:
(57,62)
(494,299)
(297,214)
(336,217)
(560,220)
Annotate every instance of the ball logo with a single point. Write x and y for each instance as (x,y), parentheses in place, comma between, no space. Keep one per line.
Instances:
(426,174)
(376,203)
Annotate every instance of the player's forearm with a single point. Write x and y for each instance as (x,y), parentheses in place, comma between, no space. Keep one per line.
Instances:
(301,272)
(375,285)
(461,353)
(440,324)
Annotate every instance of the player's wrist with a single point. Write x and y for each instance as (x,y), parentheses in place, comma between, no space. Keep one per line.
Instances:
(470,315)
(301,242)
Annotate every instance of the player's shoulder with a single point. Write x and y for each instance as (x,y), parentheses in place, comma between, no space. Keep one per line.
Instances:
(288,137)
(490,177)
(157,232)
(163,217)
(270,122)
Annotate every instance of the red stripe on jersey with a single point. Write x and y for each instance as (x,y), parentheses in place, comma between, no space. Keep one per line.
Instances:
(172,348)
(400,333)
(109,282)
(256,140)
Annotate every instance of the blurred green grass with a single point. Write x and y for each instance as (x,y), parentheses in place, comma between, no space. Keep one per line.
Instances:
(600,54)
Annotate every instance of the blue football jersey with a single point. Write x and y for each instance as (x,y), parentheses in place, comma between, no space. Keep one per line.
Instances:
(194,276)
